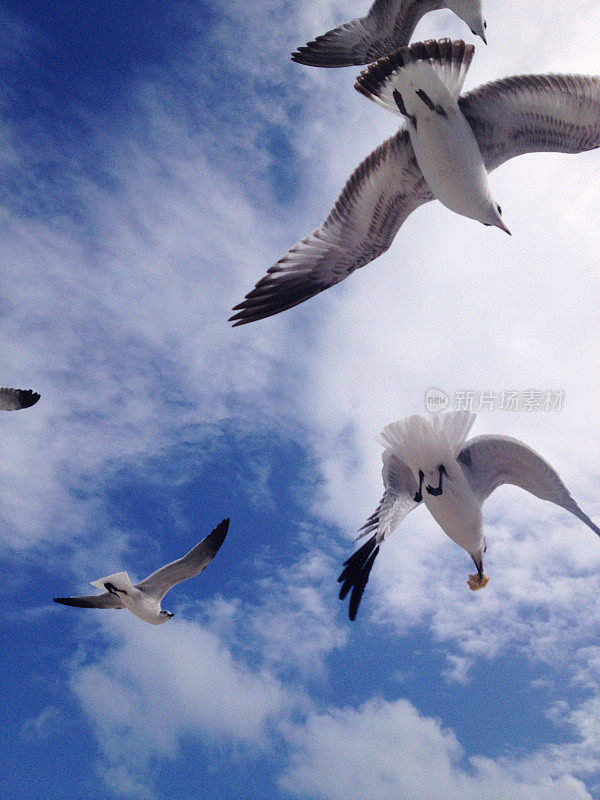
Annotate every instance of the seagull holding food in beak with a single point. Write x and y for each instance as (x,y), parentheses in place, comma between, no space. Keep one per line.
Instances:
(427,460)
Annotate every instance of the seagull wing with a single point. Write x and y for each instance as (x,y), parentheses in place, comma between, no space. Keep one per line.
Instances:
(15,399)
(388,26)
(158,583)
(374,203)
(489,461)
(397,501)
(104,600)
(534,113)
(398,498)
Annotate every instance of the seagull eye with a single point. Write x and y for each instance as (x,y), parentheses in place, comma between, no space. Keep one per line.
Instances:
(484,25)
(499,210)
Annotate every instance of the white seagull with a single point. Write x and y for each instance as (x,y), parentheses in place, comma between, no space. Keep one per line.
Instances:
(388,25)
(428,460)
(15,399)
(143,599)
(445,149)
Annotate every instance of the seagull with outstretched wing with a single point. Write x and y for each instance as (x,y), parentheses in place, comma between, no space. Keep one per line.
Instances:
(428,460)
(445,148)
(143,599)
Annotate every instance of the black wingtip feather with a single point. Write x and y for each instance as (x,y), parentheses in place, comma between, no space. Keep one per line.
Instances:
(27,397)
(355,574)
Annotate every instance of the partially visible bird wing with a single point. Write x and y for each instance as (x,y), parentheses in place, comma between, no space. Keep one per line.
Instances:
(388,25)
(534,113)
(374,203)
(397,501)
(489,461)
(15,399)
(104,600)
(158,583)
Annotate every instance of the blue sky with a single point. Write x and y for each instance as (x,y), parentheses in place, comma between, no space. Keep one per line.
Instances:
(155,159)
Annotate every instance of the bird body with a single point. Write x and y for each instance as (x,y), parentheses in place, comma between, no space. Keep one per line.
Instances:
(139,603)
(442,140)
(429,460)
(431,450)
(144,599)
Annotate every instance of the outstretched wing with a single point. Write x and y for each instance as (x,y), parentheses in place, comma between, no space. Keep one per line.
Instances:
(374,203)
(397,501)
(15,399)
(388,26)
(104,600)
(489,461)
(158,583)
(534,113)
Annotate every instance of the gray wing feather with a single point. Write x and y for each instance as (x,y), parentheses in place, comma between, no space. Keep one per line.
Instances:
(380,194)
(15,399)
(158,583)
(534,113)
(104,600)
(397,501)
(489,461)
(388,25)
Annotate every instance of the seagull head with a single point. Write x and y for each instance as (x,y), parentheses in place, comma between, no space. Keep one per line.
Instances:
(165,616)
(492,215)
(471,12)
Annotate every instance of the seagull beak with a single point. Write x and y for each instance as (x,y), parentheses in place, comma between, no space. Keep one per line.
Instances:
(483,37)
(502,226)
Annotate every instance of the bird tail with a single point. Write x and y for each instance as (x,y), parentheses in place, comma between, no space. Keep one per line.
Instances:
(436,69)
(424,441)
(118,580)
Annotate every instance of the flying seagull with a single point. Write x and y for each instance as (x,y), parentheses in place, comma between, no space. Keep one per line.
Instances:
(15,399)
(445,148)
(388,25)
(427,460)
(143,599)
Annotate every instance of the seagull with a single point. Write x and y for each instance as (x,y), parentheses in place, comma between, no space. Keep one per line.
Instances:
(388,25)
(143,599)
(445,148)
(427,460)
(15,399)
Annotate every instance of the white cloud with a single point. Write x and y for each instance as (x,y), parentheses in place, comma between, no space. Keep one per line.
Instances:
(148,692)
(389,750)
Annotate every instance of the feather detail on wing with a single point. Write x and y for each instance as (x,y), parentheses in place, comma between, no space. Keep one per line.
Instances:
(159,582)
(104,600)
(449,61)
(489,461)
(15,399)
(388,26)
(534,113)
(362,224)
(397,501)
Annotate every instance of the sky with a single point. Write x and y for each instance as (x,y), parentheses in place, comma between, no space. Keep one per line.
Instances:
(155,159)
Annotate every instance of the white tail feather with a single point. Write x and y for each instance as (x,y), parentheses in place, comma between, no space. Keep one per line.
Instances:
(423,442)
(120,580)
